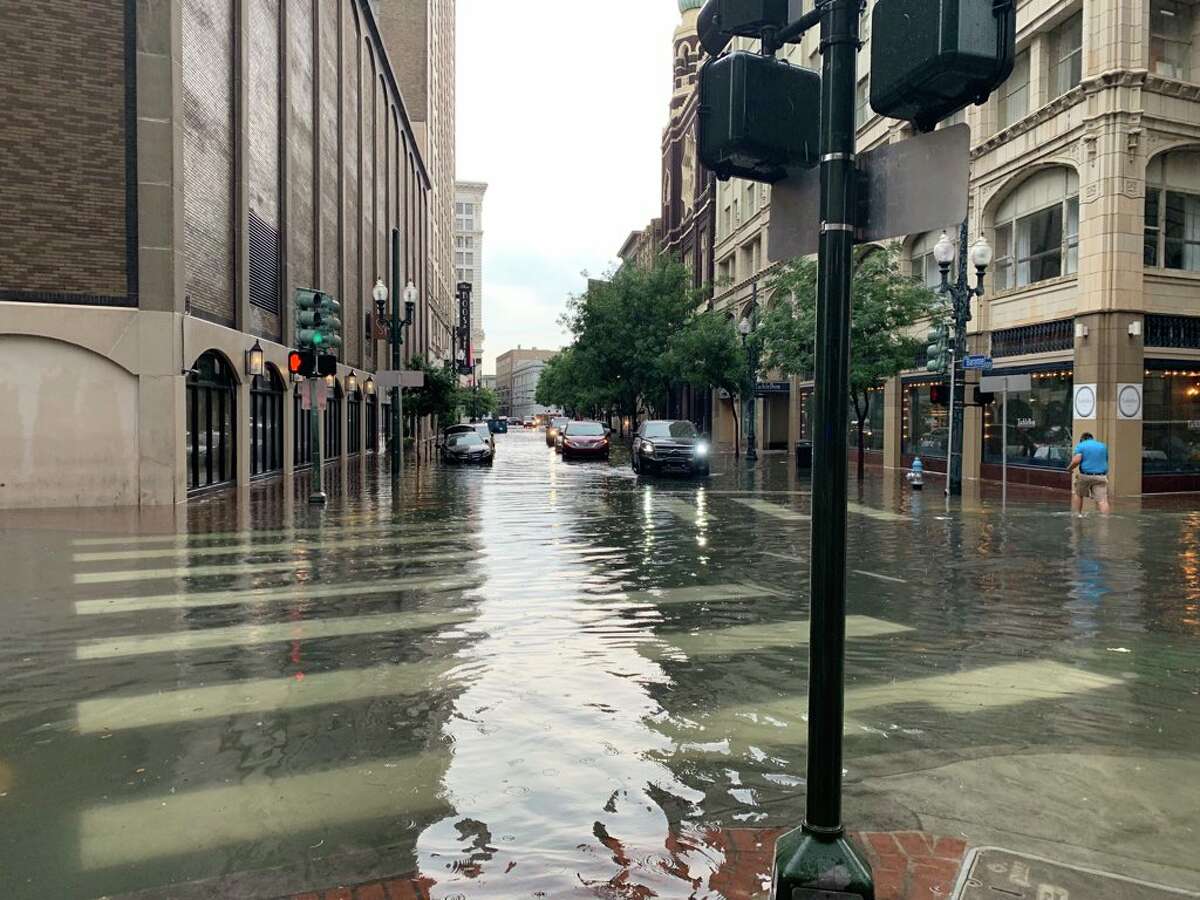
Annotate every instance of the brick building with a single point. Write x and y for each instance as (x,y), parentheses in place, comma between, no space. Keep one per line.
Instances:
(175,170)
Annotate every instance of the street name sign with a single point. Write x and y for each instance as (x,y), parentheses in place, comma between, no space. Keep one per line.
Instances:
(977,361)
(914,186)
(999,384)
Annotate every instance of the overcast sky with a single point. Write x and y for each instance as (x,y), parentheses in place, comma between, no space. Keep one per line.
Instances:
(561,105)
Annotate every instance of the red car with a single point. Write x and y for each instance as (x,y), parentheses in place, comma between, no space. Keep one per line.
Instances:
(581,439)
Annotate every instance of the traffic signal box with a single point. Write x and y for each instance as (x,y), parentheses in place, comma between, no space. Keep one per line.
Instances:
(318,333)
(930,58)
(757,117)
(938,349)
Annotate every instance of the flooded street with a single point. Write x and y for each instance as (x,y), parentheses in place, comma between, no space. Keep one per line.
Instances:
(549,679)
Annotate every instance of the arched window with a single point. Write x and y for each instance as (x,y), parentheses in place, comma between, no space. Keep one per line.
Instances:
(372,423)
(354,422)
(333,423)
(211,422)
(1173,211)
(1037,230)
(302,430)
(266,422)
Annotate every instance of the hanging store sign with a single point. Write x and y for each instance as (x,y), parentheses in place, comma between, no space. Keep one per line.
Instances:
(1129,402)
(772,389)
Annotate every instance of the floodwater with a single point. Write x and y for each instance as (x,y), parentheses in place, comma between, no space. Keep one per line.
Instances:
(552,680)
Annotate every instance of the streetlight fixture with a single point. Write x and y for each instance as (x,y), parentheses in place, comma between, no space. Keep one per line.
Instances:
(369,386)
(256,363)
(380,294)
(330,381)
(960,293)
(746,329)
(351,383)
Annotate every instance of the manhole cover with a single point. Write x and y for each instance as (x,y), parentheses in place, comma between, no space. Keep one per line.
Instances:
(994,874)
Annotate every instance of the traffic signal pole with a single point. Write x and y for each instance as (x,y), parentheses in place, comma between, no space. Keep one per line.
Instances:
(317,494)
(815,859)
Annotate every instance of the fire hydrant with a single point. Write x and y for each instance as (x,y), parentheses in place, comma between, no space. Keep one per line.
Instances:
(916,478)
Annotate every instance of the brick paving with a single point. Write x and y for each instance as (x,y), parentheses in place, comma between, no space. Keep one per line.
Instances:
(908,865)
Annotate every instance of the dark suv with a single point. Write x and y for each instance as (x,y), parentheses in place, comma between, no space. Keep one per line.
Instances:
(669,445)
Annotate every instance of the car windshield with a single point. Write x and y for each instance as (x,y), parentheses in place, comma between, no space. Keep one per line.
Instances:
(585,428)
(670,429)
(465,439)
(559,423)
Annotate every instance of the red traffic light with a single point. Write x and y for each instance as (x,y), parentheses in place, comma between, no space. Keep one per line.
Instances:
(303,362)
(295,361)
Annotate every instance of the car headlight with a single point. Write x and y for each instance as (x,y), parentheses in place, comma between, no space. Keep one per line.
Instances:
(648,447)
(702,449)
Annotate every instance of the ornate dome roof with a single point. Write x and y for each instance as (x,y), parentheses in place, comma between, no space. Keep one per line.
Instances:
(685,5)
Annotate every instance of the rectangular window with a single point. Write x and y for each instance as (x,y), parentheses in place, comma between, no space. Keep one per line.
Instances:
(1066,48)
(926,427)
(1014,93)
(1039,246)
(1003,264)
(1171,31)
(1171,427)
(1181,229)
(728,221)
(862,102)
(1071,237)
(751,199)
(737,213)
(1150,245)
(1039,425)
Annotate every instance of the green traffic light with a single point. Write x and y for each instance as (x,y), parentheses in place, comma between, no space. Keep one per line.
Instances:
(318,339)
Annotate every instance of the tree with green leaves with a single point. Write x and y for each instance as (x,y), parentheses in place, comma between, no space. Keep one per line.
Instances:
(437,397)
(622,327)
(886,304)
(706,353)
(479,401)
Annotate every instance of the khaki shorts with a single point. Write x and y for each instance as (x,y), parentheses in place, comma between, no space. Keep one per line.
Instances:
(1092,487)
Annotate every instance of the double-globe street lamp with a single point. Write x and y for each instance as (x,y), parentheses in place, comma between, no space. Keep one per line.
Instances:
(395,336)
(960,294)
(746,329)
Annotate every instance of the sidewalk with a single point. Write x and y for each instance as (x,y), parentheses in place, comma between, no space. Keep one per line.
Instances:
(908,865)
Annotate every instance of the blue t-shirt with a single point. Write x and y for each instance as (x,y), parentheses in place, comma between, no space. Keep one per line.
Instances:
(1095,457)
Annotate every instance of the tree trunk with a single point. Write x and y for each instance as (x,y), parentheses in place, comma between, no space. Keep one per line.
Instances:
(737,431)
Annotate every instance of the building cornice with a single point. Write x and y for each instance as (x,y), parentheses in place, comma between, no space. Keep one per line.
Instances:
(1043,114)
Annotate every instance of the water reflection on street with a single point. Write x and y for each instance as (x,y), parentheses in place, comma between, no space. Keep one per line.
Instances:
(551,679)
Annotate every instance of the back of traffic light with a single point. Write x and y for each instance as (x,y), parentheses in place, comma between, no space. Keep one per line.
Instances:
(759,117)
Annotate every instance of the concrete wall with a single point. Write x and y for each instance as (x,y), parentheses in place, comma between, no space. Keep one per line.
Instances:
(70,416)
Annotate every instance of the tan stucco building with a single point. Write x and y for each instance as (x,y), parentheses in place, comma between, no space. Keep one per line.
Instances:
(1085,178)
(207,159)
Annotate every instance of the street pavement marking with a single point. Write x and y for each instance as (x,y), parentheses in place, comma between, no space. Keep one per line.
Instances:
(187,539)
(381,541)
(880,577)
(748,638)
(794,558)
(259,695)
(259,809)
(783,721)
(303,592)
(701,593)
(681,508)
(882,515)
(252,635)
(299,565)
(772,509)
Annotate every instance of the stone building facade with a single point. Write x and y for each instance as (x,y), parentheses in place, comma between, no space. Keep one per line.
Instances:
(420,36)
(1085,179)
(507,364)
(174,174)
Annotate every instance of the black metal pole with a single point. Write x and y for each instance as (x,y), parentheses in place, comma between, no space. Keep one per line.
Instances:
(817,857)
(752,364)
(394,337)
(961,294)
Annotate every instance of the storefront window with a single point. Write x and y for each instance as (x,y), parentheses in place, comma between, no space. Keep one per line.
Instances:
(372,423)
(1171,422)
(266,423)
(302,432)
(926,427)
(1039,424)
(354,422)
(333,423)
(872,425)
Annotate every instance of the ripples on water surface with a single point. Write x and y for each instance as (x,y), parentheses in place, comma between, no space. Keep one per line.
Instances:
(550,678)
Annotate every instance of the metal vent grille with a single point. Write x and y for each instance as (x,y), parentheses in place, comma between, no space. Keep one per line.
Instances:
(264,265)
(1182,332)
(1044,337)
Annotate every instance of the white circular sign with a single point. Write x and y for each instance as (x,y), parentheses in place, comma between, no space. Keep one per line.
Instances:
(1085,402)
(1129,401)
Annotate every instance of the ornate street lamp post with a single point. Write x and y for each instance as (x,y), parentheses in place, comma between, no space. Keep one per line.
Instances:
(746,328)
(960,294)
